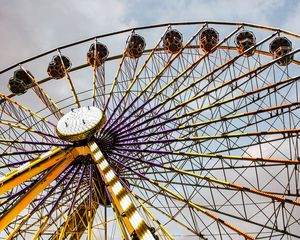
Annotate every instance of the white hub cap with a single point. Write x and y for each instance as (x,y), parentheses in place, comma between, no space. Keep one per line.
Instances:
(80,123)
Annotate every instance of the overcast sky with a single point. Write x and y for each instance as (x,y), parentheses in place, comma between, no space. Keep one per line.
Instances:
(33,26)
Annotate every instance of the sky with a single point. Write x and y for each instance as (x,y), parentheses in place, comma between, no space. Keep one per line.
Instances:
(28,28)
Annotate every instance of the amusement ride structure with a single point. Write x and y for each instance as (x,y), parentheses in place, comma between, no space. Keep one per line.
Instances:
(172,131)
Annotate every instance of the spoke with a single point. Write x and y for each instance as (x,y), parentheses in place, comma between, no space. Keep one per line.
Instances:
(188,202)
(137,76)
(70,219)
(69,80)
(217,104)
(15,117)
(36,166)
(46,218)
(156,193)
(231,61)
(288,132)
(164,230)
(89,208)
(27,129)
(13,110)
(99,85)
(210,155)
(26,217)
(172,218)
(120,197)
(26,199)
(186,71)
(45,98)
(214,180)
(115,81)
(33,143)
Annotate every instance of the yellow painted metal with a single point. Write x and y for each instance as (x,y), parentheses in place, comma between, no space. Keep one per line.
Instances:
(95,73)
(30,169)
(218,156)
(167,65)
(201,209)
(22,107)
(44,94)
(36,166)
(233,185)
(243,134)
(38,232)
(69,81)
(117,75)
(229,99)
(120,197)
(63,230)
(76,223)
(17,228)
(197,207)
(168,216)
(90,221)
(187,69)
(18,126)
(246,158)
(238,115)
(164,230)
(26,199)
(120,223)
(143,66)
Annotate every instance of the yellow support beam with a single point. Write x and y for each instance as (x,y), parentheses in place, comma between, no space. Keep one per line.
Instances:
(164,230)
(120,197)
(36,166)
(61,164)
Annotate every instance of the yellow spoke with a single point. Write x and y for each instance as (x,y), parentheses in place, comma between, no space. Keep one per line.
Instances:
(46,99)
(69,80)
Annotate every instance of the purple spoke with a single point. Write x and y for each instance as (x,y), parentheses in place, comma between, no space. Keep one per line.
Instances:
(14,164)
(47,195)
(157,77)
(193,65)
(23,152)
(76,191)
(35,143)
(63,191)
(91,186)
(125,136)
(253,73)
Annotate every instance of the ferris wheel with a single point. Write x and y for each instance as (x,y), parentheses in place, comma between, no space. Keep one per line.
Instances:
(172,131)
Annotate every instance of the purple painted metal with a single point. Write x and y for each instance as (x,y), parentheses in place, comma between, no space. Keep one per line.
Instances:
(145,150)
(76,191)
(169,110)
(91,185)
(190,67)
(15,163)
(50,192)
(37,143)
(64,190)
(139,160)
(22,152)
(148,134)
(129,168)
(21,191)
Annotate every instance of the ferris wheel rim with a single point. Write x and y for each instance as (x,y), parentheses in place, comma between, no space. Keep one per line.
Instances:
(288,33)
(166,166)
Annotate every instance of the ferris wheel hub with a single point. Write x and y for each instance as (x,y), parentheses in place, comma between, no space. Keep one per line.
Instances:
(80,123)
